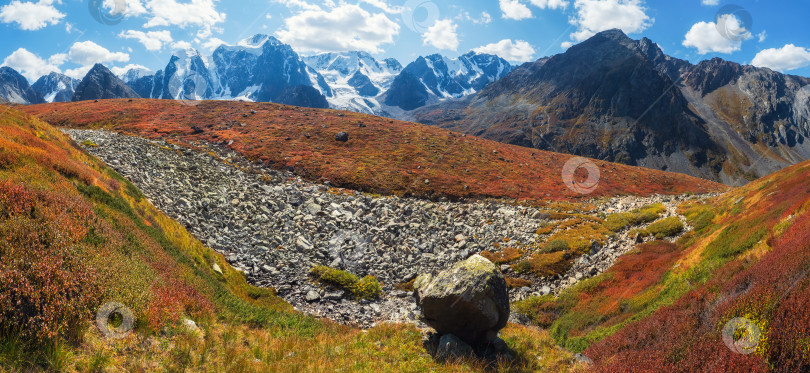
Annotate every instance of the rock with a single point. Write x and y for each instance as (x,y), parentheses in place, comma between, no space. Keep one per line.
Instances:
(582,359)
(545,290)
(469,300)
(216,268)
(342,136)
(312,296)
(451,348)
(190,324)
(460,237)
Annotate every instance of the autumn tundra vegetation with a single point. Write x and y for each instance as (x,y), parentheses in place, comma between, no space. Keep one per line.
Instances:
(75,235)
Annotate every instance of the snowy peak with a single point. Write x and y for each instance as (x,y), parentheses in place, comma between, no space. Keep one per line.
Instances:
(56,87)
(356,78)
(438,77)
(134,74)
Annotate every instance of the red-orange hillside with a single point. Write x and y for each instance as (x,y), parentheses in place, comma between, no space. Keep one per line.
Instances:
(381,155)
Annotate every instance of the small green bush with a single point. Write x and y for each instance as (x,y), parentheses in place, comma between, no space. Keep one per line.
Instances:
(367,288)
(556,245)
(665,228)
(646,214)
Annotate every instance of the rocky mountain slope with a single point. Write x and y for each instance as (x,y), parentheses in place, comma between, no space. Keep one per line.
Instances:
(622,100)
(101,83)
(14,88)
(379,156)
(56,87)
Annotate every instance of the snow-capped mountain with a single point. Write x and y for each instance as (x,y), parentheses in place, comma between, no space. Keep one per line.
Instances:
(356,78)
(260,68)
(134,74)
(56,87)
(436,77)
(14,88)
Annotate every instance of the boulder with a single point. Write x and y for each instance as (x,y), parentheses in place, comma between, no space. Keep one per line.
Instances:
(469,300)
(342,137)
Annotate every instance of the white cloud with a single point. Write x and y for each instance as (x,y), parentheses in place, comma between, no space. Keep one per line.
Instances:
(566,44)
(118,71)
(514,9)
(151,40)
(550,4)
(182,45)
(302,4)
(484,19)
(442,35)
(710,2)
(789,57)
(79,72)
(87,53)
(32,66)
(599,15)
(213,43)
(382,5)
(706,38)
(347,27)
(132,8)
(519,50)
(762,36)
(199,13)
(30,15)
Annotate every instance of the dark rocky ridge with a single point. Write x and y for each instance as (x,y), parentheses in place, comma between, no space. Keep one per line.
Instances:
(621,100)
(14,88)
(101,83)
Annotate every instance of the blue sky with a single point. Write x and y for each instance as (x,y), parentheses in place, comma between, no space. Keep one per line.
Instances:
(40,36)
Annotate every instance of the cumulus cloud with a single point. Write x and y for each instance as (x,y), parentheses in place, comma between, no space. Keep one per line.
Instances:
(518,50)
(346,27)
(32,66)
(762,36)
(299,4)
(706,38)
(31,15)
(151,40)
(594,16)
(710,2)
(517,9)
(181,45)
(442,35)
(88,53)
(382,5)
(789,57)
(514,9)
(119,71)
(79,72)
(196,13)
(213,43)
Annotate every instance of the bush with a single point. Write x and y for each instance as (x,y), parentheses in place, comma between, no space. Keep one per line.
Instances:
(665,228)
(646,214)
(367,288)
(555,246)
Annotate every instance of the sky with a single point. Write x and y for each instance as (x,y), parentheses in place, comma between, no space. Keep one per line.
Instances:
(69,36)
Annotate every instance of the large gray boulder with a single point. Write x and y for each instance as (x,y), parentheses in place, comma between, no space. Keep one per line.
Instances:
(469,300)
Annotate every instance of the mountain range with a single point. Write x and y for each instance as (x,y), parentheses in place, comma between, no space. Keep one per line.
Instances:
(623,100)
(609,97)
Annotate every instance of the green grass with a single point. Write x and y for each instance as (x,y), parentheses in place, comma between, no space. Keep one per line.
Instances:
(366,288)
(622,220)
(664,228)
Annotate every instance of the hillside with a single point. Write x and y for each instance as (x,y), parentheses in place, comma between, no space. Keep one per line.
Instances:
(75,235)
(623,100)
(664,306)
(381,155)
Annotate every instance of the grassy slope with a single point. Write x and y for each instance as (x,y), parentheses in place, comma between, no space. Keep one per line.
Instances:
(385,156)
(663,307)
(74,234)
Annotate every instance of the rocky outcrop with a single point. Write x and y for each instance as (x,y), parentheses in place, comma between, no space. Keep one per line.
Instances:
(14,88)
(55,87)
(469,300)
(101,83)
